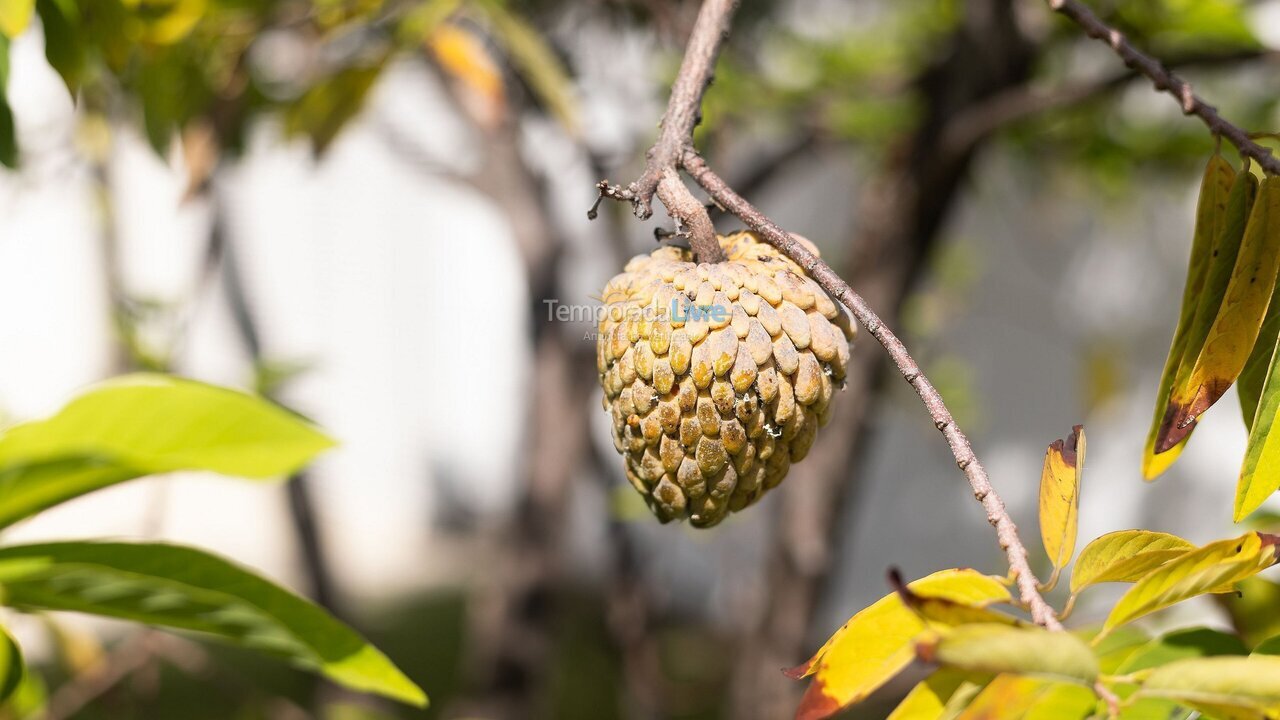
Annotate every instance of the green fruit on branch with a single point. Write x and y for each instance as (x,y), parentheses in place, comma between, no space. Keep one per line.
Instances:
(717,376)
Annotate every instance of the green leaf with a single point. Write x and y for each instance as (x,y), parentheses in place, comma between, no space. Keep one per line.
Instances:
(188,589)
(1252,609)
(1116,648)
(327,106)
(875,644)
(993,648)
(1152,708)
(1270,646)
(1243,684)
(12,669)
(1060,498)
(8,138)
(1253,377)
(1125,556)
(29,699)
(62,48)
(141,425)
(15,16)
(1260,471)
(1181,645)
(1215,567)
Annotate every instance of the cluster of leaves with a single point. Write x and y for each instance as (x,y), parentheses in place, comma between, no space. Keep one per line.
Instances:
(211,67)
(992,664)
(1228,329)
(144,425)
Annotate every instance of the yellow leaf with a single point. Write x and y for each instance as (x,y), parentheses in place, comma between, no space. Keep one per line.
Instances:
(932,697)
(1235,329)
(1064,701)
(1125,556)
(166,23)
(1213,568)
(15,16)
(992,648)
(876,643)
(1060,498)
(1211,212)
(463,56)
(1027,698)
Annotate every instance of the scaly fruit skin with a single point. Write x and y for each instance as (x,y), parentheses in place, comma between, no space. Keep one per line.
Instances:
(718,376)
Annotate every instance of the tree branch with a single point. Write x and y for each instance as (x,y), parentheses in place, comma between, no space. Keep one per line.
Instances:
(1165,81)
(684,111)
(997,514)
(1024,101)
(674,150)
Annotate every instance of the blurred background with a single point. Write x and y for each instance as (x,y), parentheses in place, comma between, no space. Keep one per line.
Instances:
(361,207)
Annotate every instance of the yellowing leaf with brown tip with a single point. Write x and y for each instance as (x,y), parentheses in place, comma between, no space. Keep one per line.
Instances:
(1060,498)
(877,642)
(1211,211)
(1235,330)
(1226,248)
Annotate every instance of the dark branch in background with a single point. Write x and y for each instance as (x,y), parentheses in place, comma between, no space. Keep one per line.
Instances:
(1165,81)
(301,505)
(704,44)
(1024,101)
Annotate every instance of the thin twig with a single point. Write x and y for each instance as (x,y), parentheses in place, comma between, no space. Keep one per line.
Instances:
(1111,699)
(133,653)
(686,97)
(997,514)
(684,111)
(1165,81)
